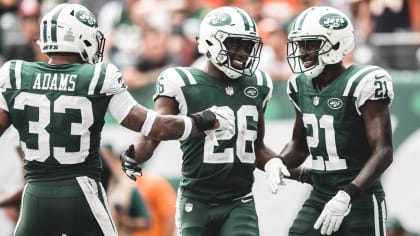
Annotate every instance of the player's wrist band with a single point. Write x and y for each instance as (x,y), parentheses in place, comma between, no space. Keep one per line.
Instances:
(187,128)
(352,189)
(204,120)
(304,175)
(148,122)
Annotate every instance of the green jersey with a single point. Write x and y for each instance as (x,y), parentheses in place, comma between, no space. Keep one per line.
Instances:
(218,166)
(59,113)
(335,131)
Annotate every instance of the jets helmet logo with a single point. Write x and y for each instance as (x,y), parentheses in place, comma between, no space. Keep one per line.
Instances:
(220,19)
(87,18)
(333,21)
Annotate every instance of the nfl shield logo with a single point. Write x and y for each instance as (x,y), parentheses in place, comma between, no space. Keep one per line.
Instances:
(229,91)
(188,207)
(316,101)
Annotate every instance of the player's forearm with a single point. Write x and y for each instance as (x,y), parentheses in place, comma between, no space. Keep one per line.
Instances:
(373,169)
(4,120)
(293,155)
(12,198)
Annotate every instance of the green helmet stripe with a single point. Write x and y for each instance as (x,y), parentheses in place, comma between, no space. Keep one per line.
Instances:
(44,31)
(247,22)
(54,23)
(302,19)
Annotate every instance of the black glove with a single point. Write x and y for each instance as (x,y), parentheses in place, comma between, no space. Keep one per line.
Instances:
(204,120)
(129,164)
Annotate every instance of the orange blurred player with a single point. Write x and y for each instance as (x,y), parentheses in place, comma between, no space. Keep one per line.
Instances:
(160,198)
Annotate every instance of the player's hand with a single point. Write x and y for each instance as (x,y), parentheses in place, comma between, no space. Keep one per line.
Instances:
(275,171)
(129,164)
(334,212)
(225,117)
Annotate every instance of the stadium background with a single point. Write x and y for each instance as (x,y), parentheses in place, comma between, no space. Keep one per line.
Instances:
(397,52)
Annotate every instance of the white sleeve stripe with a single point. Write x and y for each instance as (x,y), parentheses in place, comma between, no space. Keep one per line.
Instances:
(354,77)
(95,79)
(120,105)
(292,82)
(260,81)
(362,84)
(18,74)
(189,76)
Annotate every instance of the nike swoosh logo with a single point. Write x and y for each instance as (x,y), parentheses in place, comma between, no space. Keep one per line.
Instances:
(246,200)
(379,76)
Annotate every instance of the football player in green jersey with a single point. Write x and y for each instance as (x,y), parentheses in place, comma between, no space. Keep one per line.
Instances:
(58,109)
(343,122)
(215,193)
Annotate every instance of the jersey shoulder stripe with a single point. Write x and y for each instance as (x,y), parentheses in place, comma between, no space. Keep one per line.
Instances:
(110,79)
(355,78)
(292,90)
(10,74)
(264,80)
(186,75)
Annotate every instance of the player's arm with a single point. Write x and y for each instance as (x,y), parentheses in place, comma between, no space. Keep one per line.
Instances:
(377,122)
(4,120)
(12,197)
(163,106)
(296,150)
(262,152)
(136,117)
(267,160)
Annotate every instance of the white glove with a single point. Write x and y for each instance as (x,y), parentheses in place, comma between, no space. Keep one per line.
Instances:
(226,119)
(334,212)
(225,116)
(275,171)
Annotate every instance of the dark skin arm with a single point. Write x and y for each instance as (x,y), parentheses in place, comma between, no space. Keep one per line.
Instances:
(13,197)
(4,121)
(147,145)
(296,150)
(262,152)
(164,128)
(377,122)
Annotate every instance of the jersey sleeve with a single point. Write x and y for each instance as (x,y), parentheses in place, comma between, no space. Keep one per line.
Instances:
(375,86)
(4,84)
(169,84)
(269,84)
(292,91)
(5,76)
(113,82)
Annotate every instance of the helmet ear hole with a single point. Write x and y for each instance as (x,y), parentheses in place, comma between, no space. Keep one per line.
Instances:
(336,46)
(87,43)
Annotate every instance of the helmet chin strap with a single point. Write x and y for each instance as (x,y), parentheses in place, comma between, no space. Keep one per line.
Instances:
(316,70)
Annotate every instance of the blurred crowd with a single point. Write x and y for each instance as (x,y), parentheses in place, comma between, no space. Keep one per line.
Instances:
(144,37)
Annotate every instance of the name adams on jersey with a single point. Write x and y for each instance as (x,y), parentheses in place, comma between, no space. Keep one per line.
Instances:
(59,115)
(55,81)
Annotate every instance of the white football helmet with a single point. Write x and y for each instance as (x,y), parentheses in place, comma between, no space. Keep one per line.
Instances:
(328,25)
(225,24)
(72,28)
